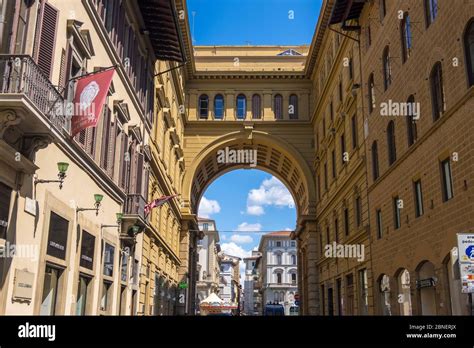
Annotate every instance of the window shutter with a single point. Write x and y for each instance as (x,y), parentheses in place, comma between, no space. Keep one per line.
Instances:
(111,148)
(133,168)
(124,164)
(104,150)
(90,141)
(139,174)
(46,38)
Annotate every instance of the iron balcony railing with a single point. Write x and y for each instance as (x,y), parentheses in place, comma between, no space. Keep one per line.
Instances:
(21,75)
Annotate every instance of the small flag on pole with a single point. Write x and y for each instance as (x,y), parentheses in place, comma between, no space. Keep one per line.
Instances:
(157,202)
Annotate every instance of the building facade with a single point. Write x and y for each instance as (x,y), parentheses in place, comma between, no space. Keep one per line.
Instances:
(209,262)
(83,218)
(252,298)
(278,267)
(229,280)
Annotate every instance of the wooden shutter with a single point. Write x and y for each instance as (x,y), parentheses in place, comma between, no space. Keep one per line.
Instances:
(124,165)
(104,149)
(46,38)
(139,174)
(111,148)
(90,141)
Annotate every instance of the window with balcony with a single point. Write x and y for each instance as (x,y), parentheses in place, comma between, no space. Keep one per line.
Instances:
(241,106)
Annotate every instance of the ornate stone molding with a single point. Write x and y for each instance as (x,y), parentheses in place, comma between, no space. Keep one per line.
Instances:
(8,118)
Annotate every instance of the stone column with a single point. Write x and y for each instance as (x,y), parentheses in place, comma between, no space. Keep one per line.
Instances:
(183,271)
(267,106)
(309,276)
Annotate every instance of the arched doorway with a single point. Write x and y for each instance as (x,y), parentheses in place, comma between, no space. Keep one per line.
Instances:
(275,156)
(404,292)
(426,283)
(384,295)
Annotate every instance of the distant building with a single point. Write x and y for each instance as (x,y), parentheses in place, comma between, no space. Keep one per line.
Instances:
(229,281)
(278,269)
(251,288)
(208,262)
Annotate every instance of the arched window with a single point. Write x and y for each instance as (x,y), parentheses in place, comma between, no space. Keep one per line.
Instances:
(278,106)
(405,29)
(387,70)
(203,106)
(293,107)
(375,160)
(469,48)
(371,93)
(293,259)
(412,134)
(437,91)
(391,146)
(256,107)
(431,11)
(278,277)
(278,258)
(241,106)
(219,107)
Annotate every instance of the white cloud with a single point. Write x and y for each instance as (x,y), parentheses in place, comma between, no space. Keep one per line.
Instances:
(241,239)
(246,227)
(208,207)
(288,229)
(271,192)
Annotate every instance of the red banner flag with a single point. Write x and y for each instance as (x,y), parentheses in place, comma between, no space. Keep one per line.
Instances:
(89,99)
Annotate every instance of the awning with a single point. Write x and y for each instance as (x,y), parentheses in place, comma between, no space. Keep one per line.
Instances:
(346,9)
(161,23)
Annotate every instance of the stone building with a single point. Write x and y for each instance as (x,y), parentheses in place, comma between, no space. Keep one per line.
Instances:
(278,269)
(208,266)
(252,300)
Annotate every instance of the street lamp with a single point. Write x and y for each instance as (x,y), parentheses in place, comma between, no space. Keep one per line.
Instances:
(97,198)
(62,168)
(119,221)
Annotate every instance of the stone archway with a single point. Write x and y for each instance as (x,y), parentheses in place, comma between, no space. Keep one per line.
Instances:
(276,156)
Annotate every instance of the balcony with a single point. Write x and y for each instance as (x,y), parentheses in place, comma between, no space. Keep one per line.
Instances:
(30,96)
(133,215)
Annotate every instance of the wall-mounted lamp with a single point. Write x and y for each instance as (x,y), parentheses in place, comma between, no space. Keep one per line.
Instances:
(119,222)
(97,198)
(62,168)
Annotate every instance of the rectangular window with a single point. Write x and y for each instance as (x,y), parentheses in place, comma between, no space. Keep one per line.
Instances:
(378,216)
(340,91)
(418,198)
(354,131)
(324,127)
(105,300)
(346,221)
(87,250)
(364,293)
(323,300)
(318,184)
(333,155)
(336,230)
(343,149)
(49,303)
(58,235)
(278,244)
(82,295)
(396,213)
(358,211)
(5,195)
(325,176)
(349,294)
(331,111)
(328,237)
(447,180)
(293,278)
(109,251)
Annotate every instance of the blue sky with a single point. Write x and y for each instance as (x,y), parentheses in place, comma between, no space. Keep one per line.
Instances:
(247,200)
(254,22)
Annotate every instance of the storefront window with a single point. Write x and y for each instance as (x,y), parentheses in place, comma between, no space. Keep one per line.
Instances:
(87,250)
(50,291)
(106,297)
(109,260)
(82,292)
(57,238)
